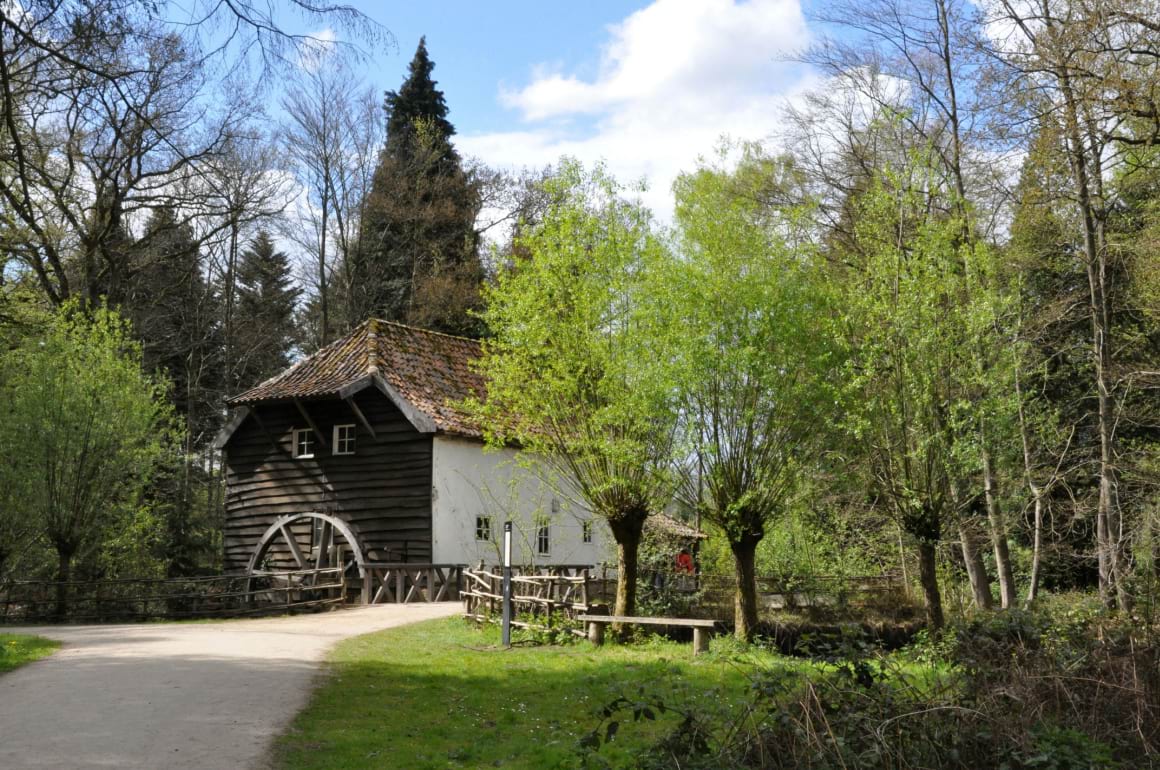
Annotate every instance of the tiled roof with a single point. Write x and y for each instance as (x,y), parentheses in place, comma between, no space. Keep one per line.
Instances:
(429,370)
(664,525)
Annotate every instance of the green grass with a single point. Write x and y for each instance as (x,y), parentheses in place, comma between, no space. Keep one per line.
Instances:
(446,695)
(18,649)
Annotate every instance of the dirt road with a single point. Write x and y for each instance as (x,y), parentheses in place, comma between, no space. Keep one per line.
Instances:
(174,695)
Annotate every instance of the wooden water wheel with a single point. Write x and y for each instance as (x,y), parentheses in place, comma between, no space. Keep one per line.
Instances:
(282,557)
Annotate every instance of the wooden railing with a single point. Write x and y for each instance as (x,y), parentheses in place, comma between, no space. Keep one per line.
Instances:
(538,592)
(404,583)
(132,599)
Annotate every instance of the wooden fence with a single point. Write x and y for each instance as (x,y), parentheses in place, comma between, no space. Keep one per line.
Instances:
(31,601)
(404,583)
(711,596)
(538,593)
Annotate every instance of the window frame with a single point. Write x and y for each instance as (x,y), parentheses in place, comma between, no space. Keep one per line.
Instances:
(586,536)
(483,526)
(544,539)
(352,438)
(311,440)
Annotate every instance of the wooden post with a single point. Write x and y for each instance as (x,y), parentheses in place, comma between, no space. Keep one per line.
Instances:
(596,632)
(700,640)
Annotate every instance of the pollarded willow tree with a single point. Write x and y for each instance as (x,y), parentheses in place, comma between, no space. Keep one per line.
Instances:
(563,364)
(748,330)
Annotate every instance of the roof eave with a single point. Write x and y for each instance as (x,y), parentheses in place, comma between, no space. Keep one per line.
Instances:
(227,431)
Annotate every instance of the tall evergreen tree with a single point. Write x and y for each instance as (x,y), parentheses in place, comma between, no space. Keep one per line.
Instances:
(419,260)
(265,315)
(417,107)
(176,313)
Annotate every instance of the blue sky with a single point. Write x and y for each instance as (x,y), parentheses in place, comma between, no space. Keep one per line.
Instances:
(645,86)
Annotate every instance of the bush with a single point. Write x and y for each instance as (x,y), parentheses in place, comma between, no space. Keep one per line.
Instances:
(1065,686)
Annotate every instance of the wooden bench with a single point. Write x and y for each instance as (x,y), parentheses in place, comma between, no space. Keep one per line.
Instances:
(701,628)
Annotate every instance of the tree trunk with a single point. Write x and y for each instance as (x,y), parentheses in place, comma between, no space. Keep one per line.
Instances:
(928,576)
(63,575)
(998,536)
(323,289)
(976,570)
(1036,549)
(1106,550)
(745,590)
(627,529)
(231,290)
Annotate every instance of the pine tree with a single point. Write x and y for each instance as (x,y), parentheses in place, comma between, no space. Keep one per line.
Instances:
(176,313)
(265,316)
(418,106)
(419,259)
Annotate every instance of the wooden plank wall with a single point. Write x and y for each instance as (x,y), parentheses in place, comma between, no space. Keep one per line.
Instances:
(383,490)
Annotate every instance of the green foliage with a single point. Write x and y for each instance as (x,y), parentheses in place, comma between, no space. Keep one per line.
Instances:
(1066,686)
(565,362)
(803,544)
(84,430)
(743,323)
(567,365)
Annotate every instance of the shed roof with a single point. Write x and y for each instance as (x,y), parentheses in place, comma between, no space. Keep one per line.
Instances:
(425,373)
(664,525)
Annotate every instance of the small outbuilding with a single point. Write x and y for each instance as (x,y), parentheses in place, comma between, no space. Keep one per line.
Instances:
(362,453)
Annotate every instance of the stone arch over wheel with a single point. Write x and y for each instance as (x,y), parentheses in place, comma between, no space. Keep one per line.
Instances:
(331,527)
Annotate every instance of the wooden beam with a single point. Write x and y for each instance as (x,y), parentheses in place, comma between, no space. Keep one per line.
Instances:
(321,559)
(360,384)
(265,431)
(236,419)
(321,439)
(420,420)
(361,417)
(295,550)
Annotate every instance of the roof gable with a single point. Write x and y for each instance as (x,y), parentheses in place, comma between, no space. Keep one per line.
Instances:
(424,373)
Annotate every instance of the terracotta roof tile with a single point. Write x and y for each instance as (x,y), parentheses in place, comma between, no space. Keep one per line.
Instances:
(431,371)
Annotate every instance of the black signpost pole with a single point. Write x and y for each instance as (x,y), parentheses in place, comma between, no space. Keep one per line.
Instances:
(507,584)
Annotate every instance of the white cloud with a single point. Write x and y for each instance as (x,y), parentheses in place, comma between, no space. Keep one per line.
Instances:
(672,79)
(315,48)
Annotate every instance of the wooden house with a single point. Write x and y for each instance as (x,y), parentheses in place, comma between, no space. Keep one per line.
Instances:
(360,453)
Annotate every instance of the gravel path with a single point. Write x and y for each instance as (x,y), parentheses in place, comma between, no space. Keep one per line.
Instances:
(174,695)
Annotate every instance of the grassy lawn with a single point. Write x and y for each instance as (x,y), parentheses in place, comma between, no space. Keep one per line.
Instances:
(18,649)
(446,695)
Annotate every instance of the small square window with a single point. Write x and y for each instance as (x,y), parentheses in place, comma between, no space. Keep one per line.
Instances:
(483,528)
(304,443)
(586,531)
(544,540)
(344,439)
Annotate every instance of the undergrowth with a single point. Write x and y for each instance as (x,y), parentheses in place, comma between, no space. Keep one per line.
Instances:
(1060,688)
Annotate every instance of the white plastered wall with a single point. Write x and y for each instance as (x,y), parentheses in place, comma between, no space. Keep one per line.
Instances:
(468,482)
